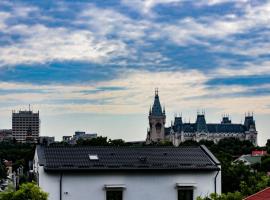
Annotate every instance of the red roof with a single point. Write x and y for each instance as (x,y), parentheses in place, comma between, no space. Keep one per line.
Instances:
(259,153)
(261,195)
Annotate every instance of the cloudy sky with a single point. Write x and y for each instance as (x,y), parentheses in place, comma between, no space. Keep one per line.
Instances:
(94,65)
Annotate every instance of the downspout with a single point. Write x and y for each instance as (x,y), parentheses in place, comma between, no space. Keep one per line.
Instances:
(61,177)
(216,181)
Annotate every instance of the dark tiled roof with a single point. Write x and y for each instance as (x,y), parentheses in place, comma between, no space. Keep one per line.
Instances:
(156,109)
(201,125)
(211,128)
(190,128)
(226,128)
(127,158)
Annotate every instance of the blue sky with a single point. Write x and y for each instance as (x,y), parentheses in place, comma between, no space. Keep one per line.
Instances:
(94,65)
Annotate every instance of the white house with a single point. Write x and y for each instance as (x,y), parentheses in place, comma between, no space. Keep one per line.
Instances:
(126,173)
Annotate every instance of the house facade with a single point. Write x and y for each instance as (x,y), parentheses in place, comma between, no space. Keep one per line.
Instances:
(199,130)
(126,173)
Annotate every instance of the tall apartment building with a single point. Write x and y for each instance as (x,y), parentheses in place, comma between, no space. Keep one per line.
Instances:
(25,126)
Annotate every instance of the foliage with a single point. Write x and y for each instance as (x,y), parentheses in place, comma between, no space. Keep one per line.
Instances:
(19,154)
(117,142)
(228,196)
(3,171)
(189,143)
(27,191)
(267,145)
(99,141)
(265,164)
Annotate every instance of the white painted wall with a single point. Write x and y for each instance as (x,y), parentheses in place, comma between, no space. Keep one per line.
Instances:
(139,186)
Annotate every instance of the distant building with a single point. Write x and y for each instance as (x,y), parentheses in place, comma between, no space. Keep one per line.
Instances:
(66,139)
(249,160)
(200,130)
(84,136)
(25,126)
(46,140)
(6,135)
(259,153)
(126,173)
(79,135)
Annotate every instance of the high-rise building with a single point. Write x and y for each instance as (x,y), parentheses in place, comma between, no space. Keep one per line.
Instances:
(25,126)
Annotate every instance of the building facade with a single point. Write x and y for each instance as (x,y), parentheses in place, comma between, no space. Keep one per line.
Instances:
(25,126)
(199,130)
(126,173)
(79,135)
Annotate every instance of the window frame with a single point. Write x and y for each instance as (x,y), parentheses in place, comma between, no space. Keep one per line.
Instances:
(114,187)
(187,186)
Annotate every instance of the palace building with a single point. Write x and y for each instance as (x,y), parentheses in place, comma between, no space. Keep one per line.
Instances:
(199,130)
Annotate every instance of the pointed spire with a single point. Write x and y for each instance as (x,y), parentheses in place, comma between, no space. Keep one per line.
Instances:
(156,92)
(156,108)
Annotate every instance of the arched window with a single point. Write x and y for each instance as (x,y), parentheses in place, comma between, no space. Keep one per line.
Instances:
(158,127)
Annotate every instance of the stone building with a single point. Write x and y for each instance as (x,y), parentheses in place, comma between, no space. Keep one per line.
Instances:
(199,130)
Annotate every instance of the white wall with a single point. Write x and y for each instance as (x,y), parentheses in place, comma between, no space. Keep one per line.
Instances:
(138,186)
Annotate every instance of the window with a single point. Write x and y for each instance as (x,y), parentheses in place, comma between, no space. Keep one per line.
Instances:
(114,192)
(185,193)
(114,195)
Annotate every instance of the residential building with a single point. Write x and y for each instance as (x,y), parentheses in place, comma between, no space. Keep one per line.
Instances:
(180,131)
(126,173)
(79,135)
(46,140)
(249,159)
(25,126)
(84,136)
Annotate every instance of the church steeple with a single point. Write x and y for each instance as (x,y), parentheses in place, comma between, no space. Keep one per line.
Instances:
(157,120)
(156,108)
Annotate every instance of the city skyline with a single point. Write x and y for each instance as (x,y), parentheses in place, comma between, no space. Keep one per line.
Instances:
(93,66)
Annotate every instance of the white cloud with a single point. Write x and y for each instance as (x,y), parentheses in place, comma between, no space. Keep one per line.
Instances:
(247,69)
(43,44)
(145,6)
(109,32)
(180,90)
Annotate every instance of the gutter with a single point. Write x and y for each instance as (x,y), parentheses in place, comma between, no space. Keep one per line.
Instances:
(60,185)
(216,182)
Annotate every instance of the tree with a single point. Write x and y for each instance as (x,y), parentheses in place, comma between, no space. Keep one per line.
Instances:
(228,196)
(27,191)
(3,171)
(99,141)
(267,145)
(265,165)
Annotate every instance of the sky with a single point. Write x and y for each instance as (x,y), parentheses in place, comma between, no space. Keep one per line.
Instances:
(94,65)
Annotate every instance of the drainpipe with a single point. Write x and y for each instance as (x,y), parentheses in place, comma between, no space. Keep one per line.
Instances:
(216,181)
(61,176)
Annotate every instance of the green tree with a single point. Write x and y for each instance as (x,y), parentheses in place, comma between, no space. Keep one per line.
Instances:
(99,141)
(27,191)
(117,142)
(228,196)
(3,171)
